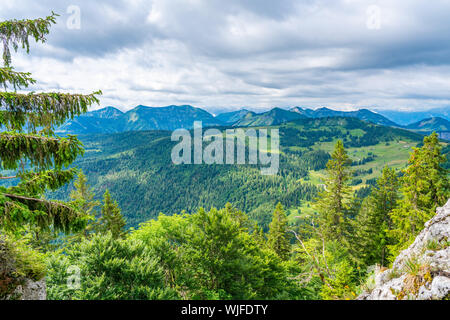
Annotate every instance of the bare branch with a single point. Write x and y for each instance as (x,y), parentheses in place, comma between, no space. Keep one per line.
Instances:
(5,178)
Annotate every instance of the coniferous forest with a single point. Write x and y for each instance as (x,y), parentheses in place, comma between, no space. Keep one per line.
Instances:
(110,217)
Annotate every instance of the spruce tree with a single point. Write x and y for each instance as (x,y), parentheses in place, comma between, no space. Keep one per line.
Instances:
(83,199)
(111,220)
(277,238)
(373,222)
(425,186)
(28,145)
(333,203)
(83,195)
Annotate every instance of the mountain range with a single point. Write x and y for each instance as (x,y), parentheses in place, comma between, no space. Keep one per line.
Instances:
(233,116)
(269,118)
(112,120)
(405,118)
(430,124)
(362,114)
(426,126)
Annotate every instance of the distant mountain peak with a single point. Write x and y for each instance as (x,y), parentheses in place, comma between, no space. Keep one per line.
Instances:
(277,110)
(272,117)
(437,124)
(112,120)
(324,109)
(104,113)
(407,117)
(233,116)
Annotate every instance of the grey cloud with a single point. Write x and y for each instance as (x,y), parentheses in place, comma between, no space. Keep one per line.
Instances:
(106,26)
(249,52)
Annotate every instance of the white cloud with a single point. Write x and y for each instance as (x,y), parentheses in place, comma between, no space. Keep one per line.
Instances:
(250,53)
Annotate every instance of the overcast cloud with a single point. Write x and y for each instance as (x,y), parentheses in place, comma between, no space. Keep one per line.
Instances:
(257,54)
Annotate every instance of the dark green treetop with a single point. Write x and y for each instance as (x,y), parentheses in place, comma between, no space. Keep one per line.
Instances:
(425,186)
(333,203)
(111,219)
(278,237)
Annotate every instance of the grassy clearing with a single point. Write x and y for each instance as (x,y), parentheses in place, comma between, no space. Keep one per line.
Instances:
(394,154)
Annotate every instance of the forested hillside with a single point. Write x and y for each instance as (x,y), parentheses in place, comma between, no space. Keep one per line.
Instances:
(223,254)
(136,167)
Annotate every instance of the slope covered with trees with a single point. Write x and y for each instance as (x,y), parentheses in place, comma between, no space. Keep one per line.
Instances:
(137,169)
(222,254)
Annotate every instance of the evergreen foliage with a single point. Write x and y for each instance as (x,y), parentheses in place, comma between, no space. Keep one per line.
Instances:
(28,144)
(425,186)
(111,220)
(373,223)
(333,203)
(277,238)
(110,269)
(214,255)
(83,199)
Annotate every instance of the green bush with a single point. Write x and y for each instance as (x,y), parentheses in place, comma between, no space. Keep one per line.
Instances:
(17,263)
(213,255)
(109,269)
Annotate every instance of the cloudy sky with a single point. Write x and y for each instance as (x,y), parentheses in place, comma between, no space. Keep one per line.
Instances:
(230,54)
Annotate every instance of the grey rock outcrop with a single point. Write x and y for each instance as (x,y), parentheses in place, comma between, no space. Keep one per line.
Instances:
(430,256)
(32,290)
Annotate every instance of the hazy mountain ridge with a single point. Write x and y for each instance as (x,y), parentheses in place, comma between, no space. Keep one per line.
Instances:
(430,124)
(426,126)
(233,116)
(362,114)
(105,113)
(272,117)
(408,117)
(112,120)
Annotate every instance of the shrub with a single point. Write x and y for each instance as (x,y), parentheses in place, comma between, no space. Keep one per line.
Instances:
(109,269)
(17,263)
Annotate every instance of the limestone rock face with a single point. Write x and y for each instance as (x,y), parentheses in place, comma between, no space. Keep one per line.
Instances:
(32,290)
(430,256)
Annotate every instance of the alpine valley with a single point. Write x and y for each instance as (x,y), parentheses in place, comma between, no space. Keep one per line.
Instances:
(129,154)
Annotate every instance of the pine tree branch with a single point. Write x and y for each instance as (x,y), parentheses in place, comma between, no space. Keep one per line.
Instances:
(17,79)
(43,152)
(46,202)
(15,33)
(37,182)
(42,212)
(314,260)
(42,109)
